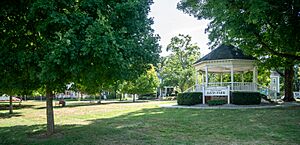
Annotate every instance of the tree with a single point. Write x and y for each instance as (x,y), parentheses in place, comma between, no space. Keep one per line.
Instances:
(269,30)
(145,84)
(15,51)
(178,69)
(90,42)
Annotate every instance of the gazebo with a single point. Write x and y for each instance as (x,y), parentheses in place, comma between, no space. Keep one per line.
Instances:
(225,59)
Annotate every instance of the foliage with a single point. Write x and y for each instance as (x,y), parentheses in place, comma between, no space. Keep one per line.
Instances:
(189,98)
(145,84)
(147,96)
(178,70)
(216,102)
(245,98)
(269,30)
(92,43)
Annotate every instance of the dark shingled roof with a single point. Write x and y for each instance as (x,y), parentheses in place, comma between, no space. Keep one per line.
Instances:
(225,52)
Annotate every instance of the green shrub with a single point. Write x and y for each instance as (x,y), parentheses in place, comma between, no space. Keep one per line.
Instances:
(189,98)
(245,98)
(150,96)
(216,102)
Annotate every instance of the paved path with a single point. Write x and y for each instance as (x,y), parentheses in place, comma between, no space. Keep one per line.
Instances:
(232,106)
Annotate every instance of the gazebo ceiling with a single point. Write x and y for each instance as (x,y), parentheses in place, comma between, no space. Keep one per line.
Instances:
(225,66)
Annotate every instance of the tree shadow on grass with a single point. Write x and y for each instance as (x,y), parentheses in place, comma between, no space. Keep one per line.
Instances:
(166,126)
(7,115)
(15,106)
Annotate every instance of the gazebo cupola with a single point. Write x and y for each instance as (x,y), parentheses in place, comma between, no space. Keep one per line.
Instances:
(225,59)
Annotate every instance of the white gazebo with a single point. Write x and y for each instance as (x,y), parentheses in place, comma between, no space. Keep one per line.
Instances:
(225,59)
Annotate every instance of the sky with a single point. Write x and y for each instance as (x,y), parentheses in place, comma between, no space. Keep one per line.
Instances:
(169,22)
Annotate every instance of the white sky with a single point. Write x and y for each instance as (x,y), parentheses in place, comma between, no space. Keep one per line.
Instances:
(169,22)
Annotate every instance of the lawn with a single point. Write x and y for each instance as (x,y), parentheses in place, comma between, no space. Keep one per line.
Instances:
(147,123)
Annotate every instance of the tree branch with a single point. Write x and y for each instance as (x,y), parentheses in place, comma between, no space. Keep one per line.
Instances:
(266,46)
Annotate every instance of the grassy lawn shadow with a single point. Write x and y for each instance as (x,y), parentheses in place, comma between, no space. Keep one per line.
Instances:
(163,126)
(7,115)
(169,126)
(15,106)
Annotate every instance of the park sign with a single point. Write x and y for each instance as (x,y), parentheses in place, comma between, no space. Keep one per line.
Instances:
(216,91)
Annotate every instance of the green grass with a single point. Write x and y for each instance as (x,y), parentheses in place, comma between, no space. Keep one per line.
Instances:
(146,123)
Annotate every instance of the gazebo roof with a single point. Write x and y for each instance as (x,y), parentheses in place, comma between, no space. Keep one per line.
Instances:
(223,58)
(225,52)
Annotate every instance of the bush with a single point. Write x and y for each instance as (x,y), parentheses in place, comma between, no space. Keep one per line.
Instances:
(216,102)
(245,98)
(151,96)
(189,98)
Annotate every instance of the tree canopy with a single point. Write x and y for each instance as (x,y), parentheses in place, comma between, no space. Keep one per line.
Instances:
(269,30)
(90,42)
(144,84)
(177,69)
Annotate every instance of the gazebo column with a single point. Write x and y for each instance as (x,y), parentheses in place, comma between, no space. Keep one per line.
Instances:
(242,76)
(197,86)
(206,76)
(232,79)
(254,78)
(202,73)
(221,79)
(254,75)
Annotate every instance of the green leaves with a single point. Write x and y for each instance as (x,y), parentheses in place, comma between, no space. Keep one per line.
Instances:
(259,27)
(91,42)
(177,69)
(144,84)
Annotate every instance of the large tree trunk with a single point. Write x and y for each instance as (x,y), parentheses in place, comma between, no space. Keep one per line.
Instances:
(288,83)
(50,116)
(10,105)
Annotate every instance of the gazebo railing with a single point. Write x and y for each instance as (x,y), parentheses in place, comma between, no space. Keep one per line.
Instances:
(235,86)
(244,86)
(271,94)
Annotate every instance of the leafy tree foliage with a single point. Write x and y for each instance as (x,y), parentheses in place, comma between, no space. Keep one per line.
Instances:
(269,30)
(16,55)
(178,68)
(91,42)
(146,83)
